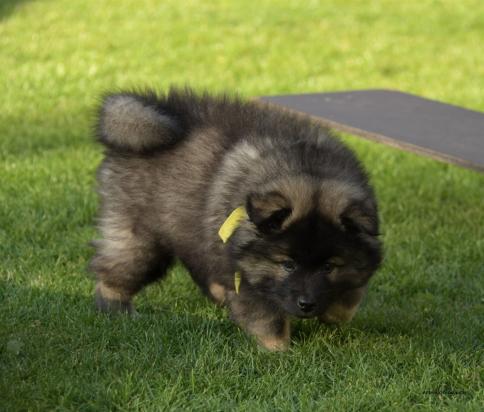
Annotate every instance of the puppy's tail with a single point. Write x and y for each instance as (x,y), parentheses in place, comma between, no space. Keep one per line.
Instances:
(136,123)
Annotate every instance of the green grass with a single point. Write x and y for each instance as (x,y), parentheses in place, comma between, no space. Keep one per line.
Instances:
(416,344)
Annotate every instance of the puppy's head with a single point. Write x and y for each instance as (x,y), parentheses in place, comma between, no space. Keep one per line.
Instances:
(309,246)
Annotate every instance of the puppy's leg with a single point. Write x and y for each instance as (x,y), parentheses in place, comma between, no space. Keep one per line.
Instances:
(345,307)
(258,318)
(217,292)
(126,259)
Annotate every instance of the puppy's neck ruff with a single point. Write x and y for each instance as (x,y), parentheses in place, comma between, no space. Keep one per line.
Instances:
(227,229)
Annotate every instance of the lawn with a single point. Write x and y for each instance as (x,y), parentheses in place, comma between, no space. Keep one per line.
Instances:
(417,342)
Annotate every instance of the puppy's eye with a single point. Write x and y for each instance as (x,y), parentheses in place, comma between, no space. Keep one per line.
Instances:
(289,266)
(327,267)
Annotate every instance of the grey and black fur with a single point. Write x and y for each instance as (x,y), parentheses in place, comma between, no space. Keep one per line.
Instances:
(176,165)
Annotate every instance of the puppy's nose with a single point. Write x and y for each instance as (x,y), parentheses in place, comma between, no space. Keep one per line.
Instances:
(305,304)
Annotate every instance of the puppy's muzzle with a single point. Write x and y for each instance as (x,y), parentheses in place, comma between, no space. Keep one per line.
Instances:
(305,304)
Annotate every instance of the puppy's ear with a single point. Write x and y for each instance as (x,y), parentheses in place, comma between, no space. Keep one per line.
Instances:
(268,211)
(361,217)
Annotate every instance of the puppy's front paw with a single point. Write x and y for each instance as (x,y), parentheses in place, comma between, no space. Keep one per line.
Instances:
(274,343)
(345,309)
(217,293)
(270,327)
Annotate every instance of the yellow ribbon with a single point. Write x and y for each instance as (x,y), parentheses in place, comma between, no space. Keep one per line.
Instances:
(237,280)
(232,223)
(227,229)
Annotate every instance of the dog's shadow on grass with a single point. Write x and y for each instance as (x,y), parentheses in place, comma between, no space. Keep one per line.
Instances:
(72,321)
(8,7)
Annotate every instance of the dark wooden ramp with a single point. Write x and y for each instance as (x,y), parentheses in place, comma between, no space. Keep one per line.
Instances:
(409,122)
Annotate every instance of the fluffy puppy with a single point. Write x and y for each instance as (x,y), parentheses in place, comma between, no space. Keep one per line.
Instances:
(272,216)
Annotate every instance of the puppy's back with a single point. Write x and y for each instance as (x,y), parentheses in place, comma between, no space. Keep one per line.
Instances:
(166,153)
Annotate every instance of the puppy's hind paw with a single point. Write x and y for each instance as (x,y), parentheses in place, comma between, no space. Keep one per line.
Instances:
(108,301)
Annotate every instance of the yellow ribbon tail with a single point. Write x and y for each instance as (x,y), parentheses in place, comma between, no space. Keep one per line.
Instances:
(237,280)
